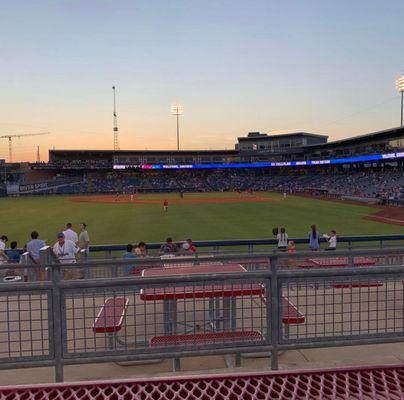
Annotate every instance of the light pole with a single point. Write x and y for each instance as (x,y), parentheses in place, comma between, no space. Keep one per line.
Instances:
(177,109)
(400,88)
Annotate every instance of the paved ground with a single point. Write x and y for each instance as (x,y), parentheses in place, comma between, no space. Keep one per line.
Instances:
(304,359)
(329,311)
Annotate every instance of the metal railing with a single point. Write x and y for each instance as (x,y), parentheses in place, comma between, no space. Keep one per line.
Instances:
(252,245)
(227,304)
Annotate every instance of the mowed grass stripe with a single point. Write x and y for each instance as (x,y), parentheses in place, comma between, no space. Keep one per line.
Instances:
(122,223)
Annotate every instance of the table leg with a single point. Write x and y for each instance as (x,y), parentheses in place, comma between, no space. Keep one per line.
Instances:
(217,313)
(170,325)
(110,340)
(166,317)
(212,320)
(170,316)
(233,313)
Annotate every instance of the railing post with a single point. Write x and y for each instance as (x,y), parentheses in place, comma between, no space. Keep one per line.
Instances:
(114,271)
(27,260)
(82,259)
(250,248)
(381,243)
(57,323)
(45,258)
(273,311)
(351,262)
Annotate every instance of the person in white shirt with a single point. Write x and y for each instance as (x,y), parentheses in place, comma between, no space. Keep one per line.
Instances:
(70,234)
(282,237)
(65,250)
(332,240)
(3,255)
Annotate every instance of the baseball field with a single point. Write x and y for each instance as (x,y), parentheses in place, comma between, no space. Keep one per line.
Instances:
(112,219)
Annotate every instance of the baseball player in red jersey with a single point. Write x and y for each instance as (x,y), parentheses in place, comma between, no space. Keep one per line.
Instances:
(165,205)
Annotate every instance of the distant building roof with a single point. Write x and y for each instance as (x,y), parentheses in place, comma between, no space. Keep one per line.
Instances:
(130,152)
(264,136)
(392,133)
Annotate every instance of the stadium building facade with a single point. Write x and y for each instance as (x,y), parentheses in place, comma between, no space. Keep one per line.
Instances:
(292,162)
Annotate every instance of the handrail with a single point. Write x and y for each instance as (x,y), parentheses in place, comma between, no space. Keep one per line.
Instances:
(253,242)
(273,282)
(153,261)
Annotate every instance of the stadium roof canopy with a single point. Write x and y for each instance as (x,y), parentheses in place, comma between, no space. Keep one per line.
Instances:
(264,136)
(387,134)
(132,152)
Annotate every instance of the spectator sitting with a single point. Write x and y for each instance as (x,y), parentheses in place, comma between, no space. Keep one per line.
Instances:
(70,234)
(291,247)
(140,250)
(168,247)
(129,255)
(13,254)
(188,247)
(34,246)
(129,252)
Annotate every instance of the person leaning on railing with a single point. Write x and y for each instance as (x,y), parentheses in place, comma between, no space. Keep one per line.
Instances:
(84,238)
(3,255)
(65,250)
(33,248)
(314,238)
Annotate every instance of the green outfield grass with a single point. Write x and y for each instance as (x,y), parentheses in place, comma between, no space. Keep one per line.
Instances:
(122,223)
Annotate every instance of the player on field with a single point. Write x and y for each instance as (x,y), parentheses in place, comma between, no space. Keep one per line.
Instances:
(165,205)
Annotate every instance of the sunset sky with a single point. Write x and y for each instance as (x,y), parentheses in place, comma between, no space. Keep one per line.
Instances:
(236,66)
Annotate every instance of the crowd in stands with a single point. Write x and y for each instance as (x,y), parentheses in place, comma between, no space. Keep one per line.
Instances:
(387,185)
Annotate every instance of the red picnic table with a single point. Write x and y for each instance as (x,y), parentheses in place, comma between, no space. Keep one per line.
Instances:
(338,262)
(227,292)
(330,262)
(200,291)
(335,262)
(214,292)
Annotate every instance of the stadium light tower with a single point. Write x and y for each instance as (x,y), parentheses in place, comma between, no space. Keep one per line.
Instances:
(400,88)
(115,128)
(177,109)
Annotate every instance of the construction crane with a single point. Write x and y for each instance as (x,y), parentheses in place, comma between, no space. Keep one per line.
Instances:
(10,137)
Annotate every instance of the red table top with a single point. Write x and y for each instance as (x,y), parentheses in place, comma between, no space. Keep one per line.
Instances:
(207,290)
(336,262)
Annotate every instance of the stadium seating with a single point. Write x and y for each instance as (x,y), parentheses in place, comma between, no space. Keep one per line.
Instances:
(383,185)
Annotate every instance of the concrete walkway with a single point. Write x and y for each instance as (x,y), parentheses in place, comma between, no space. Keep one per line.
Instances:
(302,359)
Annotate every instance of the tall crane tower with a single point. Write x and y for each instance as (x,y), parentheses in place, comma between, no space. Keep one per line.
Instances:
(10,137)
(115,129)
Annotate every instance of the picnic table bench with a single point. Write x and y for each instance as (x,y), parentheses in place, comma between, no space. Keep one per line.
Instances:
(110,318)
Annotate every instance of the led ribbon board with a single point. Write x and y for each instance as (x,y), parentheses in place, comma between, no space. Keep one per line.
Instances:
(348,160)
